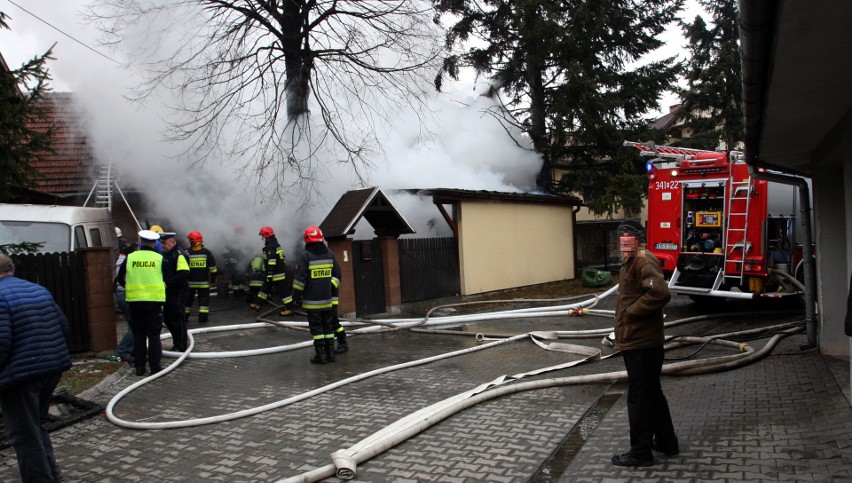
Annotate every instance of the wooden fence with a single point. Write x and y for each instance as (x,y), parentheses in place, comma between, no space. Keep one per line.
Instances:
(63,274)
(428,268)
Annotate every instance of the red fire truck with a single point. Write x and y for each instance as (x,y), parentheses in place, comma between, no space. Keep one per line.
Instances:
(717,231)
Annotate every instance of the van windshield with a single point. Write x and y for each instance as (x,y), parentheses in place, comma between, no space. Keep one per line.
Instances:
(53,237)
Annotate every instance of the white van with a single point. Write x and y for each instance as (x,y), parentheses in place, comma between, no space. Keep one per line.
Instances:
(57,228)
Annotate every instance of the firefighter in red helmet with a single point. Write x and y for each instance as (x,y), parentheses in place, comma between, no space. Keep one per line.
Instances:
(315,287)
(273,262)
(202,274)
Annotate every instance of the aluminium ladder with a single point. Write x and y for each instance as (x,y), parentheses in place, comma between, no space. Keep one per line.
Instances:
(738,224)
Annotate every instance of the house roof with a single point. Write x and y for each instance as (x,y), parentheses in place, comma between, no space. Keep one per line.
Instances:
(665,121)
(71,167)
(796,79)
(369,203)
(446,195)
(4,67)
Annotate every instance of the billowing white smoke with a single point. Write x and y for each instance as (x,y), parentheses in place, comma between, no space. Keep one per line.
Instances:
(458,147)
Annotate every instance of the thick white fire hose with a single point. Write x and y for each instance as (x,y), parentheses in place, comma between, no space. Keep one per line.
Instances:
(344,462)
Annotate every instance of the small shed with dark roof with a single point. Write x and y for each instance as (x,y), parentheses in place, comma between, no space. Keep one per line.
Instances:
(370,204)
(500,240)
(374,264)
(508,240)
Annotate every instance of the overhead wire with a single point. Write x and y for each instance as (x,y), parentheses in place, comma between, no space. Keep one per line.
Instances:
(64,33)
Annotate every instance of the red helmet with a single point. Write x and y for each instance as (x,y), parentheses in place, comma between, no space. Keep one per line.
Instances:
(194,236)
(266,232)
(313,234)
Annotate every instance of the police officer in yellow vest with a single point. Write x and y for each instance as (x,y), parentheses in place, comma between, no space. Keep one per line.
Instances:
(143,276)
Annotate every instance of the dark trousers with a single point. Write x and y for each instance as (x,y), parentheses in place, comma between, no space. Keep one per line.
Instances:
(647,407)
(174,316)
(125,346)
(271,288)
(145,323)
(336,328)
(203,302)
(24,406)
(320,324)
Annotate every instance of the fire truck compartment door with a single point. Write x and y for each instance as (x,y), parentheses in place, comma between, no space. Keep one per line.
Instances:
(702,184)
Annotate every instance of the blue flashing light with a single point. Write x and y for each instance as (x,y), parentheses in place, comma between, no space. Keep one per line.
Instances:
(649,166)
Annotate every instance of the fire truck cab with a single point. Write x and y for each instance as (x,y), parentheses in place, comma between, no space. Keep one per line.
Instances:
(717,231)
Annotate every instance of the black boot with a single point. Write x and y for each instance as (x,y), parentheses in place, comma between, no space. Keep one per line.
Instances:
(319,349)
(329,350)
(342,346)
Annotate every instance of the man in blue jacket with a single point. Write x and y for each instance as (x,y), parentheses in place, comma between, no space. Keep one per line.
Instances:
(33,356)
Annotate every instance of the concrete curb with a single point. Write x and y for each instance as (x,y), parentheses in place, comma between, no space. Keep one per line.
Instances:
(100,388)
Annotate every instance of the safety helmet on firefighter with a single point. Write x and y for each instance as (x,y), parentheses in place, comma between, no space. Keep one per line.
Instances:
(266,232)
(157,229)
(632,227)
(313,234)
(194,236)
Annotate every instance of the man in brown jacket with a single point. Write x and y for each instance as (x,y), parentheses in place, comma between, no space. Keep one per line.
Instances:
(643,292)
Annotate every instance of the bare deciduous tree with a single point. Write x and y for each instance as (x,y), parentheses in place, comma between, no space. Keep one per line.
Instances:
(249,76)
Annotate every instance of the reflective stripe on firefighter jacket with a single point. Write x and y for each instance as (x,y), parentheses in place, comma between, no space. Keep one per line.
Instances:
(273,260)
(202,267)
(317,278)
(144,276)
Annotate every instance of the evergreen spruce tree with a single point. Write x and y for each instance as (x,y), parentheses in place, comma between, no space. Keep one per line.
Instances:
(22,93)
(569,75)
(712,101)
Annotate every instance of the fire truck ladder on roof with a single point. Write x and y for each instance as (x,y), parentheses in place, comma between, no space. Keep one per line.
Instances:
(671,152)
(736,233)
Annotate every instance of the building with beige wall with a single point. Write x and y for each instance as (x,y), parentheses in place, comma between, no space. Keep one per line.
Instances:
(510,240)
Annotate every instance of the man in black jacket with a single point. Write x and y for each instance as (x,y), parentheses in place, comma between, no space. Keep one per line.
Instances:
(202,274)
(315,288)
(177,291)
(274,266)
(643,292)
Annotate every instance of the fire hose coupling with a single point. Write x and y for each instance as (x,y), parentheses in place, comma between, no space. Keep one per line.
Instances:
(480,337)
(743,347)
(577,311)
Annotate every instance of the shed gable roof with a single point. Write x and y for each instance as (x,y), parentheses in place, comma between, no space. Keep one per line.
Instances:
(369,203)
(446,195)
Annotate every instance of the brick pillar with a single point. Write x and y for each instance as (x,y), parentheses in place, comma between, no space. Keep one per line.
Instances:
(99,269)
(390,266)
(342,249)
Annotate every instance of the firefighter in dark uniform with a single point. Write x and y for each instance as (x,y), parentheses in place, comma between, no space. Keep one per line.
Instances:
(314,287)
(339,331)
(256,277)
(273,261)
(143,276)
(177,290)
(202,273)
